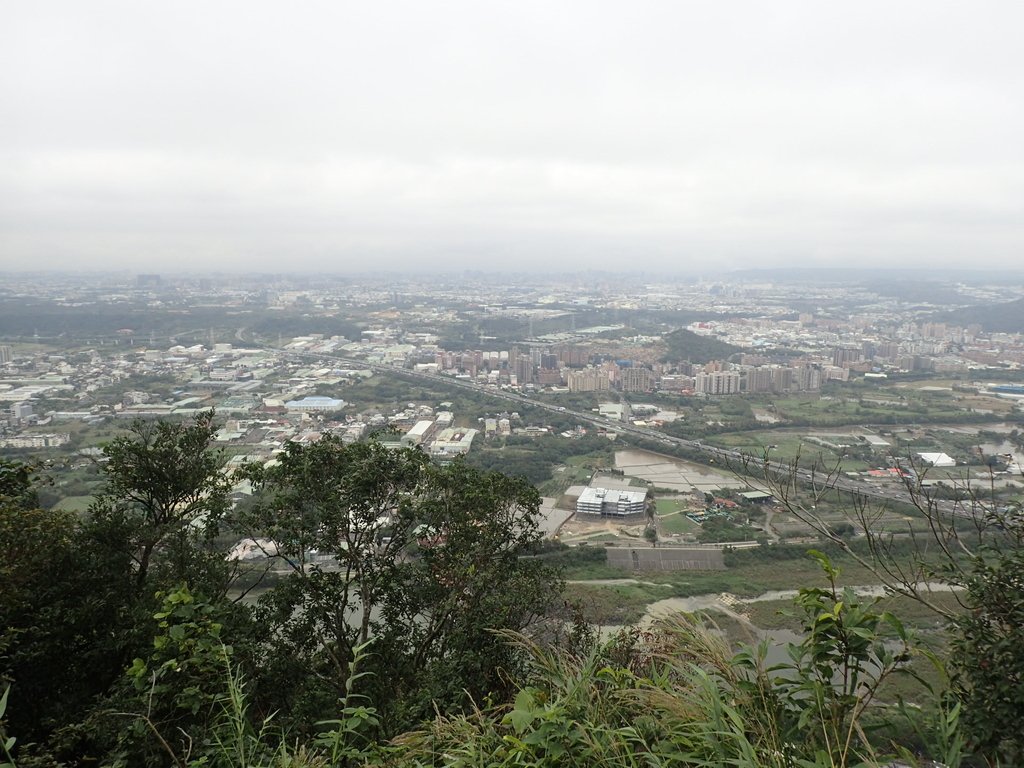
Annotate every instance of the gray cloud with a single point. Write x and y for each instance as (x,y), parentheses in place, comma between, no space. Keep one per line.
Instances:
(651,135)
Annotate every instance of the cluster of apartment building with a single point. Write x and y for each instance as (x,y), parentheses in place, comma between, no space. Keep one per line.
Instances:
(822,356)
(783,350)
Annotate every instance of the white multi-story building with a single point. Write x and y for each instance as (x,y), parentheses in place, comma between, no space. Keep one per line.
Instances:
(21,410)
(637,379)
(588,380)
(611,503)
(717,383)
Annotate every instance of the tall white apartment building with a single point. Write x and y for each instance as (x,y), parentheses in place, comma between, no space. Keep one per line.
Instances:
(717,383)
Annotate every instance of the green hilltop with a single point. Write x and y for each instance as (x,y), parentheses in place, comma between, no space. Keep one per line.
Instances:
(684,345)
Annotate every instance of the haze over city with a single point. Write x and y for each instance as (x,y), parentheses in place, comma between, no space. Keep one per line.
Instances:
(509,136)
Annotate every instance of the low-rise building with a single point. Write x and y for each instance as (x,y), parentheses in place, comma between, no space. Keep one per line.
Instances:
(452,442)
(36,441)
(315,403)
(417,433)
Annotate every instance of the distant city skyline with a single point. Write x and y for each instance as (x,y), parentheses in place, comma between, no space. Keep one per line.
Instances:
(534,137)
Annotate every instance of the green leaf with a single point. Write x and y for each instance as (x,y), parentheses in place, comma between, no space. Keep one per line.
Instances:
(897,625)
(824,561)
(523,712)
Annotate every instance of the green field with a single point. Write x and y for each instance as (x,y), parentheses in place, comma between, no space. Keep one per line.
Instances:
(780,614)
(74,503)
(621,603)
(672,518)
(668,506)
(746,580)
(614,604)
(677,523)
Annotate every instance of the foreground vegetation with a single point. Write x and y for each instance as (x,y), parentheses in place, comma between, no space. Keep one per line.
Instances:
(117,625)
(415,620)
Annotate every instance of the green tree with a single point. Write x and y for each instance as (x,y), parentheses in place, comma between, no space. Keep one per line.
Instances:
(164,496)
(651,534)
(976,545)
(62,611)
(19,484)
(838,667)
(469,579)
(340,517)
(988,643)
(383,545)
(77,596)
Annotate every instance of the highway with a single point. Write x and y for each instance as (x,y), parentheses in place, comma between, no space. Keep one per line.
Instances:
(748,464)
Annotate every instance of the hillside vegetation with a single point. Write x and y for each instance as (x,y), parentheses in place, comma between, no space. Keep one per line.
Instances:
(398,614)
(684,345)
(1007,317)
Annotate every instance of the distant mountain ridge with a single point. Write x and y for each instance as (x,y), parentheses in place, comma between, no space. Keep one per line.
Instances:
(873,275)
(1007,317)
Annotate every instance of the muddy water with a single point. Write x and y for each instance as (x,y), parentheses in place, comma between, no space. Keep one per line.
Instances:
(657,467)
(642,459)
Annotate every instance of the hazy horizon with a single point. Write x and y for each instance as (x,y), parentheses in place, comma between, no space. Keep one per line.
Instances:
(527,137)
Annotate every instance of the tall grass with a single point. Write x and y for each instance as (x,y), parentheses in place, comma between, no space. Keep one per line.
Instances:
(676,695)
(680,699)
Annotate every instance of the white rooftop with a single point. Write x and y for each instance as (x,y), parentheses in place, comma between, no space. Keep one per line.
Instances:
(938,459)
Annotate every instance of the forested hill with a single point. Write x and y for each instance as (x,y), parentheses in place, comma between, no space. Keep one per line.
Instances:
(32,319)
(687,345)
(1004,318)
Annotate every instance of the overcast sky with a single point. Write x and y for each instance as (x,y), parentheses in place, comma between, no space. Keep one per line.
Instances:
(343,136)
